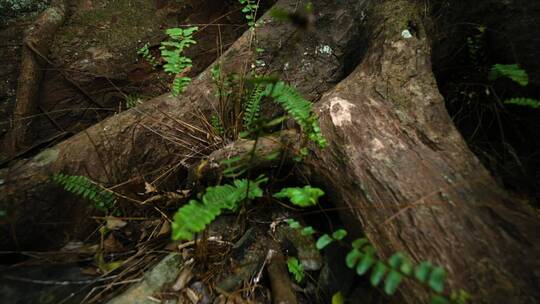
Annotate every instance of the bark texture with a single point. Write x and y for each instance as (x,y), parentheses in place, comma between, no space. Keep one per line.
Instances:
(36,44)
(165,134)
(410,179)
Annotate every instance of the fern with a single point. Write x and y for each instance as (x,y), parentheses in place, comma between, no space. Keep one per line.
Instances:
(249,10)
(216,125)
(296,269)
(176,63)
(196,215)
(512,71)
(298,108)
(362,257)
(145,53)
(103,199)
(302,197)
(526,102)
(132,100)
(252,106)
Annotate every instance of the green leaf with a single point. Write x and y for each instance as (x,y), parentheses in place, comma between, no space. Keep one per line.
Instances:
(352,258)
(308,230)
(377,274)
(391,282)
(338,298)
(323,241)
(359,243)
(524,102)
(339,234)
(395,260)
(365,264)
(295,268)
(293,223)
(512,71)
(406,267)
(302,197)
(421,272)
(438,299)
(436,279)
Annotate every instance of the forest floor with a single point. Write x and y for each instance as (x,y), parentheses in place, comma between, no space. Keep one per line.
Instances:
(130,255)
(97,48)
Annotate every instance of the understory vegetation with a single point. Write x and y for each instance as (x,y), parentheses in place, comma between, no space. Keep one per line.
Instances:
(249,92)
(316,156)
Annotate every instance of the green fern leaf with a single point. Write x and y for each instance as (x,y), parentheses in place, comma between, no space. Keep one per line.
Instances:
(323,241)
(525,102)
(392,281)
(378,273)
(295,268)
(367,261)
(103,199)
(196,215)
(302,197)
(436,279)
(512,71)
(298,108)
(252,107)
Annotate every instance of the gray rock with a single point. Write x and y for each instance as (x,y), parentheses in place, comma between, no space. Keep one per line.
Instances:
(165,272)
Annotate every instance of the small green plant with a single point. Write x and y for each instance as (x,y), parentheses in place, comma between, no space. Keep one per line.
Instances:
(197,214)
(512,71)
(252,106)
(176,63)
(103,199)
(132,100)
(145,53)
(250,11)
(295,268)
(217,126)
(525,102)
(172,52)
(298,108)
(302,197)
(362,257)
(517,75)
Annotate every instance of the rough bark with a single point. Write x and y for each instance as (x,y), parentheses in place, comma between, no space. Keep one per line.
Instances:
(167,133)
(36,44)
(411,181)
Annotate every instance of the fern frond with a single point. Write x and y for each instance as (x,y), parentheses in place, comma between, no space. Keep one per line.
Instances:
(525,102)
(216,125)
(298,108)
(196,215)
(145,53)
(179,85)
(103,199)
(512,71)
(176,63)
(252,107)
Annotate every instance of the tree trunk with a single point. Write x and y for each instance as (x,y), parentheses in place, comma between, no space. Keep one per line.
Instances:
(165,135)
(411,181)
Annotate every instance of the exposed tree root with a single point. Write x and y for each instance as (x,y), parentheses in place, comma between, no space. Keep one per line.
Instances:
(36,43)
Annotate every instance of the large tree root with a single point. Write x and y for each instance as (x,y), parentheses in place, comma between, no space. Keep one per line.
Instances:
(394,157)
(36,44)
(165,133)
